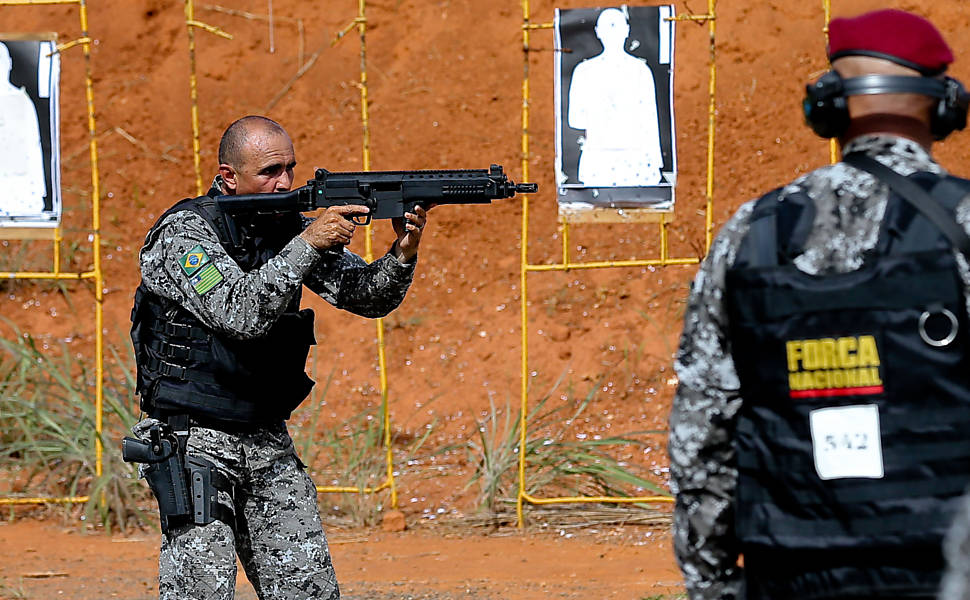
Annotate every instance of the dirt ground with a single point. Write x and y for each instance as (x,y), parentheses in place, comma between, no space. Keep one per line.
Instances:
(445,80)
(419,565)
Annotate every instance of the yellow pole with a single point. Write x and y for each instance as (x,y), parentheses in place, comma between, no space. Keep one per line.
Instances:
(338,489)
(711,116)
(646,262)
(193,94)
(523,270)
(596,499)
(361,22)
(664,251)
(42,275)
(57,250)
(827,10)
(44,500)
(96,250)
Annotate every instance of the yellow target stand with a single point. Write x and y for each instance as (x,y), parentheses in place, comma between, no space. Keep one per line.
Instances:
(54,234)
(664,260)
(827,9)
(360,24)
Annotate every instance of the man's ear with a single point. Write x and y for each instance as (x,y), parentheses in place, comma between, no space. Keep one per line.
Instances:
(228,177)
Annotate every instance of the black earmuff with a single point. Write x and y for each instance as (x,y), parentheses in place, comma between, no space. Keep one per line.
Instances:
(951,111)
(825,105)
(827,109)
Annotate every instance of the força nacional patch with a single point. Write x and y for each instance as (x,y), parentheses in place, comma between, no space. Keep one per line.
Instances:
(202,273)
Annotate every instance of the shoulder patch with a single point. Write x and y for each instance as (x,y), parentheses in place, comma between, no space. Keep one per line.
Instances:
(202,273)
(206,279)
(193,260)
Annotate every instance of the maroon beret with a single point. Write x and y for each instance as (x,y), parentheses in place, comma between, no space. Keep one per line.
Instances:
(895,35)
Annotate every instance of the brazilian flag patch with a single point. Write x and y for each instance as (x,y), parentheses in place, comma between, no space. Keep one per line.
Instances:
(202,273)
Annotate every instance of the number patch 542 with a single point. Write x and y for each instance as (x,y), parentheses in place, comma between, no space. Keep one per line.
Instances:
(846,442)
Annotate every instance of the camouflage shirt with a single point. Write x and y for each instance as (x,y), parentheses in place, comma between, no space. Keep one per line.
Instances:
(245,305)
(849,208)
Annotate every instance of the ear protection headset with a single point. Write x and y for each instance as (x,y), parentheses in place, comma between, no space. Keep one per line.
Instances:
(827,109)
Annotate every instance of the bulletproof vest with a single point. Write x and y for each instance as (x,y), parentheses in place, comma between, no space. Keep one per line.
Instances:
(185,367)
(852,444)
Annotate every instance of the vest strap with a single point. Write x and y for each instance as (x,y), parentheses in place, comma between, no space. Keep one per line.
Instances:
(777,229)
(763,229)
(873,490)
(820,529)
(184,331)
(882,293)
(178,372)
(916,196)
(178,352)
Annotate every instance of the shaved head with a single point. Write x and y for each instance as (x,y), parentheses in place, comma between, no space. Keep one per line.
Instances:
(234,142)
(915,106)
(256,156)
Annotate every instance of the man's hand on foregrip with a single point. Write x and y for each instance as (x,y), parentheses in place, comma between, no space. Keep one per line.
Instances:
(409,230)
(334,228)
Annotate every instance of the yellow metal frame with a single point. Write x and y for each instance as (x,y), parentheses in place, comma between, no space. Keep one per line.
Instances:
(360,23)
(190,24)
(833,143)
(567,264)
(97,274)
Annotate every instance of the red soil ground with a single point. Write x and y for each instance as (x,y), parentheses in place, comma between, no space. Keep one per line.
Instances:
(445,92)
(58,562)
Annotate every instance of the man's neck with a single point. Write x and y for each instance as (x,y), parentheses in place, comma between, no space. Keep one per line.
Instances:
(889,124)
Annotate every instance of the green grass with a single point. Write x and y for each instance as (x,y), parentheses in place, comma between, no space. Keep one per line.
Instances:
(554,462)
(350,453)
(10,591)
(47,430)
(47,437)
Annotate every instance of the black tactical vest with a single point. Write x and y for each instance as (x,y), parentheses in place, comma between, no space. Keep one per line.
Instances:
(853,441)
(185,367)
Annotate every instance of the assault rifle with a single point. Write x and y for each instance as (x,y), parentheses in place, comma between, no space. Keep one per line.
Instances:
(387,194)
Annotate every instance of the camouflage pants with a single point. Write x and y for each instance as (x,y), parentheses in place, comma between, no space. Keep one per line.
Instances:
(279,540)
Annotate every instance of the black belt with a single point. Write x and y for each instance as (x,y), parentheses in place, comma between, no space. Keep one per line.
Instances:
(183,421)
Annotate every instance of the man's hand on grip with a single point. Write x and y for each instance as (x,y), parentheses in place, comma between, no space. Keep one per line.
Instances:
(409,230)
(334,227)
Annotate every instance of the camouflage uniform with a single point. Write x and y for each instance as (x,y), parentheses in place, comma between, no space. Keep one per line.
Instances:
(279,536)
(956,549)
(849,209)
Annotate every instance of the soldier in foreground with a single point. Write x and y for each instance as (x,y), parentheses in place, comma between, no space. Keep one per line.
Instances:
(221,348)
(820,424)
